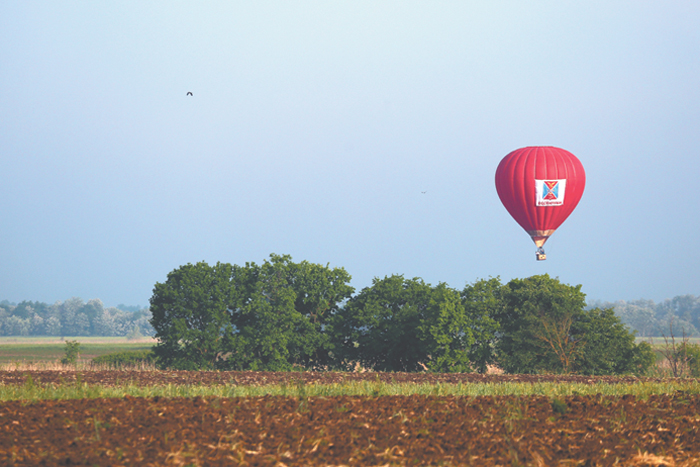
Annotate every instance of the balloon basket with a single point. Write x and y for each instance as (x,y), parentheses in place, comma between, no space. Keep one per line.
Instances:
(540,255)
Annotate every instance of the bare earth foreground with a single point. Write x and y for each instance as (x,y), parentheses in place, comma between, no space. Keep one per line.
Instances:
(345,430)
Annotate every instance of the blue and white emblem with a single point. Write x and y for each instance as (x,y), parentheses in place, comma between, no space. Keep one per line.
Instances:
(549,192)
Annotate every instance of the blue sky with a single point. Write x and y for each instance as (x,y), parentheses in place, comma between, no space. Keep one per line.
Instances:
(315,126)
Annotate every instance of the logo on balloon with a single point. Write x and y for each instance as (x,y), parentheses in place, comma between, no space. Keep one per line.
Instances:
(549,192)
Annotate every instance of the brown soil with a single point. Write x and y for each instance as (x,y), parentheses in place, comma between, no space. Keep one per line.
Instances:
(389,430)
(247,378)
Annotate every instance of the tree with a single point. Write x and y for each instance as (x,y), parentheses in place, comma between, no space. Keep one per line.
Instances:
(283,312)
(527,305)
(379,327)
(190,315)
(24,309)
(447,331)
(558,337)
(53,326)
(682,357)
(692,353)
(482,303)
(318,292)
(544,327)
(262,317)
(683,311)
(92,310)
(653,319)
(16,326)
(267,317)
(72,350)
(67,313)
(637,315)
(402,324)
(610,348)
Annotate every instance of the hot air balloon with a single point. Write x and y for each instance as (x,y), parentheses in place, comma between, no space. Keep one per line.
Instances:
(540,186)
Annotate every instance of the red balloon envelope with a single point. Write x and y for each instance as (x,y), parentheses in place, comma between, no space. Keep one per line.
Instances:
(540,186)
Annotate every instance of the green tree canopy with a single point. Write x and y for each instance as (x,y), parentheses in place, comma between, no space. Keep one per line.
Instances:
(610,347)
(190,315)
(483,303)
(544,327)
(402,324)
(267,317)
(280,315)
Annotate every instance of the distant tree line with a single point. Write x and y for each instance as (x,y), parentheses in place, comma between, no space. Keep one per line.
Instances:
(72,317)
(282,315)
(651,319)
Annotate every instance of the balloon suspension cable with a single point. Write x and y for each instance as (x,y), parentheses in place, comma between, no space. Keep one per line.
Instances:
(540,254)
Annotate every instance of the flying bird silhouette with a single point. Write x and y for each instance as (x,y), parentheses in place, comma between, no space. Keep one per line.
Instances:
(189,94)
(424,192)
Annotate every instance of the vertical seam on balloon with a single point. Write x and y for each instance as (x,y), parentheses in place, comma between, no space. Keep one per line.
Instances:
(517,167)
(511,167)
(543,213)
(564,213)
(504,166)
(551,160)
(528,197)
(570,176)
(536,154)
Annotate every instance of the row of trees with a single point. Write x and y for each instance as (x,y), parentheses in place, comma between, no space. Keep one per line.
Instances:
(72,317)
(280,315)
(656,319)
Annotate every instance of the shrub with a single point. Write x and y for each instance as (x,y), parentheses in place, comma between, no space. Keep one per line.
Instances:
(72,353)
(689,357)
(126,358)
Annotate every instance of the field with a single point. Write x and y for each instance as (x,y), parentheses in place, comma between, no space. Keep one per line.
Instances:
(659,342)
(66,415)
(260,418)
(45,350)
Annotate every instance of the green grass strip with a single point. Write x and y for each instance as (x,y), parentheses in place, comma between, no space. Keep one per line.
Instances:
(31,392)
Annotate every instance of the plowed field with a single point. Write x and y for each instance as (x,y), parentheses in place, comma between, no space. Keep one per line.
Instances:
(344,430)
(258,378)
(388,430)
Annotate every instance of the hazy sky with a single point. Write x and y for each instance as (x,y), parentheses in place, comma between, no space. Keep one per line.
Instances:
(315,126)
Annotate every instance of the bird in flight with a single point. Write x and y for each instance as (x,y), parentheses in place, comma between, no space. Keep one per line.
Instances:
(189,94)
(424,192)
